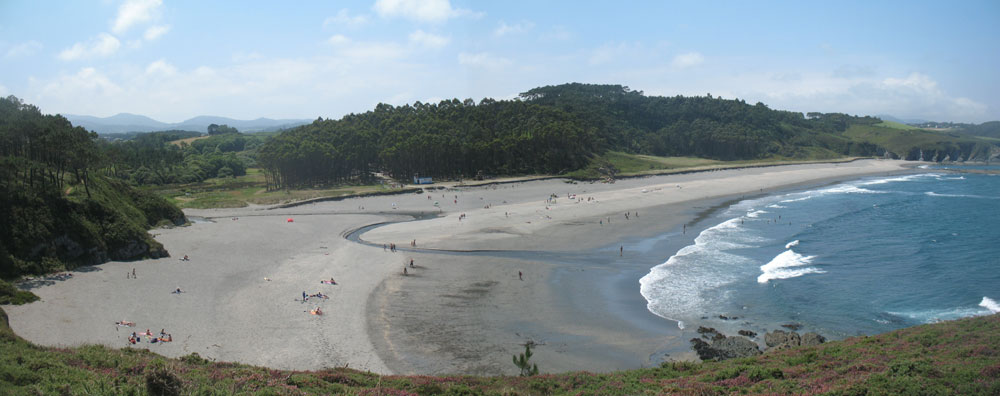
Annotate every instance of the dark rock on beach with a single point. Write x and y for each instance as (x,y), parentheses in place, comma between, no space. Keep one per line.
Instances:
(810,339)
(725,348)
(747,333)
(780,339)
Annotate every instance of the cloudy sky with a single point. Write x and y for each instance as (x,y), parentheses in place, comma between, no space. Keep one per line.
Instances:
(172,60)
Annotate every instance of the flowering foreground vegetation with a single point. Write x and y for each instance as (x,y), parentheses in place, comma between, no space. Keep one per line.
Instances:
(958,357)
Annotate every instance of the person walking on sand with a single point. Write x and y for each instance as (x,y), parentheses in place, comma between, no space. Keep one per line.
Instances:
(520,275)
(133,273)
(305,297)
(621,250)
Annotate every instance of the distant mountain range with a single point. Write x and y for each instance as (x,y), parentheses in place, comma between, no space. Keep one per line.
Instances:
(125,122)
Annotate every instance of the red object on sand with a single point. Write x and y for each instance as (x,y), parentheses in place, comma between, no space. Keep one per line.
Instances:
(290,220)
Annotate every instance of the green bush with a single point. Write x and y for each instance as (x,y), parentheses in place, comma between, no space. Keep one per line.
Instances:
(161,382)
(11,295)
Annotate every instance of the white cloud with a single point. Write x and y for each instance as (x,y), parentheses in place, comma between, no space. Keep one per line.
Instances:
(428,39)
(432,11)
(505,29)
(344,19)
(622,51)
(687,60)
(23,50)
(338,39)
(102,45)
(154,32)
(483,59)
(557,33)
(161,68)
(86,83)
(133,12)
(915,95)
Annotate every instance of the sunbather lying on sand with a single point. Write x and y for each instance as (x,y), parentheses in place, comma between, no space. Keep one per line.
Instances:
(125,323)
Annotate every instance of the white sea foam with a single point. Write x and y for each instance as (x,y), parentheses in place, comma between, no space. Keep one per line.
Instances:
(791,244)
(756,213)
(990,304)
(798,199)
(776,206)
(681,288)
(934,194)
(899,179)
(937,315)
(787,265)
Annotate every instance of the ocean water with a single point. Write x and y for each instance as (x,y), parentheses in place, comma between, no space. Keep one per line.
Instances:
(859,257)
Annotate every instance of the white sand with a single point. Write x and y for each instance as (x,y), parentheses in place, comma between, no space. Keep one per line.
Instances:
(228,312)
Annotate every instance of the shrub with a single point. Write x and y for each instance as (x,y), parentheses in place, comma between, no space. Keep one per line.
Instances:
(160,382)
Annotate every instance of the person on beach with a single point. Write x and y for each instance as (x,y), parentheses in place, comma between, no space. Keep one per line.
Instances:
(305,297)
(383,247)
(411,262)
(621,250)
(133,273)
(404,270)
(520,275)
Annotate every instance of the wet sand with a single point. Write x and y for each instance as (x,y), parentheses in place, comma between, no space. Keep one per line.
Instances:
(452,313)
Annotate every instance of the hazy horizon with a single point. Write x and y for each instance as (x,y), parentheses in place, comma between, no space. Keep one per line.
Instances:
(175,61)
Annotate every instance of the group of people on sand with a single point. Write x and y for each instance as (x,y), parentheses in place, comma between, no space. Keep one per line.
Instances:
(405,271)
(391,247)
(162,337)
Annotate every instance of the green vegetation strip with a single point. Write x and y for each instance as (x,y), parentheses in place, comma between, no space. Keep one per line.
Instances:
(958,357)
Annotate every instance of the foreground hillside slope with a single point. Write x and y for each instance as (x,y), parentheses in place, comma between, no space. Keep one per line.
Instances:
(958,357)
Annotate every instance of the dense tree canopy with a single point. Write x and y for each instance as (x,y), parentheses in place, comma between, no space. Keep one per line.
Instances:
(57,208)
(547,130)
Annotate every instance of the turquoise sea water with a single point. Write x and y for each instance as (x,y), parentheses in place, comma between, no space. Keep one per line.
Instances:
(859,257)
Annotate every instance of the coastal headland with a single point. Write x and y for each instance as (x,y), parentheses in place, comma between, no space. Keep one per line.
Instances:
(494,267)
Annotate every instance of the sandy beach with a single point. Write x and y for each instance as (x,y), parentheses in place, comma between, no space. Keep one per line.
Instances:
(462,308)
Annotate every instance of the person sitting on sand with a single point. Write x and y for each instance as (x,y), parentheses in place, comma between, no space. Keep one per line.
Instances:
(185,258)
(178,291)
(332,281)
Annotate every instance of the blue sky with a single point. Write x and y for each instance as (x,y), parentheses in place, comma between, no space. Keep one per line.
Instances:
(173,60)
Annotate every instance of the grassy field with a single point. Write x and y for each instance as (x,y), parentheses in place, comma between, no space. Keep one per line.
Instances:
(250,189)
(901,141)
(896,125)
(959,357)
(188,140)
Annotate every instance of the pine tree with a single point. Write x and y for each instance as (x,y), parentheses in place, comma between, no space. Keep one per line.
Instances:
(527,368)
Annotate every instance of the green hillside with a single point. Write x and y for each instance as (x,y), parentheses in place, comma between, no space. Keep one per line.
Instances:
(910,143)
(569,128)
(959,357)
(58,207)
